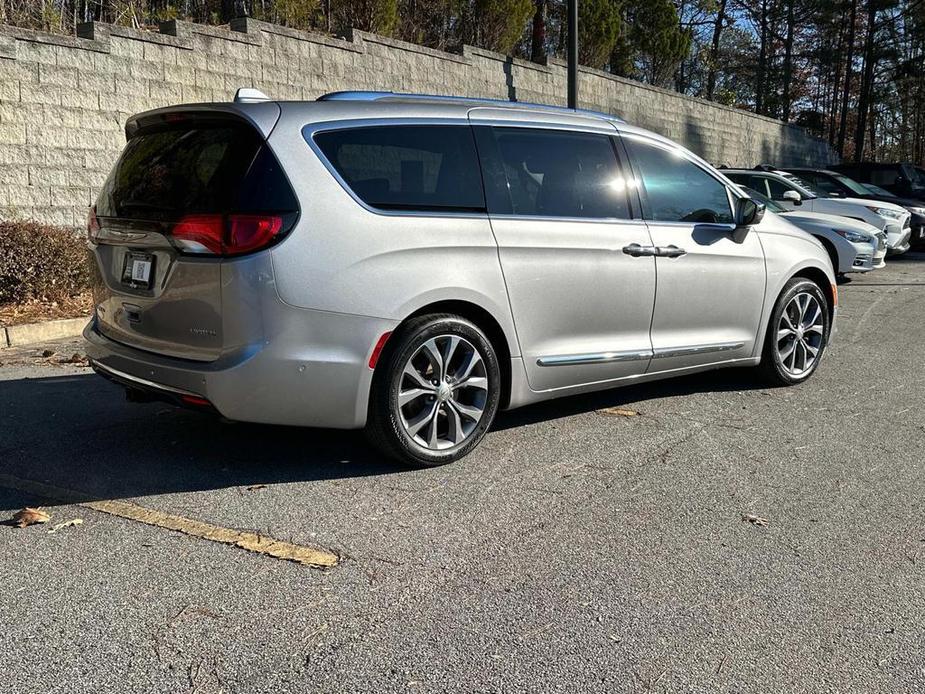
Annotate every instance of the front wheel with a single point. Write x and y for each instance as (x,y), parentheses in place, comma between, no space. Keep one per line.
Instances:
(797,333)
(437,392)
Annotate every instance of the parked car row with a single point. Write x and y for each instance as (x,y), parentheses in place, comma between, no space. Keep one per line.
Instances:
(859,224)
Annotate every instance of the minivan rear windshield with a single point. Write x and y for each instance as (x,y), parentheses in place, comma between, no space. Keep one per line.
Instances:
(195,168)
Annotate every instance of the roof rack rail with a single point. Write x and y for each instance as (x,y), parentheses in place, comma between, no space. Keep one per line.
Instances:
(354,96)
(402,96)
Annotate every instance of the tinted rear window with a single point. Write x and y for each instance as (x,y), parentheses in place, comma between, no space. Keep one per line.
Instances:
(186,168)
(408,167)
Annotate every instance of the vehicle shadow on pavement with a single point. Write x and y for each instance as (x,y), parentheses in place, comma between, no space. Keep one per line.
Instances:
(77,432)
(721,381)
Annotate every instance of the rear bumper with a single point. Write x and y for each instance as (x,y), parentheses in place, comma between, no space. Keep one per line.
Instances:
(313,374)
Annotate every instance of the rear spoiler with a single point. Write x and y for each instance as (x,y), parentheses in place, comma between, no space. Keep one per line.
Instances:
(261,115)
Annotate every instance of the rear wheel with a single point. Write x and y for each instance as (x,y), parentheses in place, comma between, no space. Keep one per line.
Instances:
(797,333)
(437,392)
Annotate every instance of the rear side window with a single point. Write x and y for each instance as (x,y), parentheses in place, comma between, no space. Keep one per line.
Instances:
(778,188)
(552,173)
(753,182)
(408,167)
(677,190)
(172,170)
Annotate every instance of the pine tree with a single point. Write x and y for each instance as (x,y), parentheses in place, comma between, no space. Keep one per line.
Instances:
(599,26)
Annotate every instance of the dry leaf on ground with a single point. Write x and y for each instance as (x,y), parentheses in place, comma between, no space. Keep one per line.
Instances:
(29,516)
(619,412)
(76,358)
(37,311)
(255,487)
(755,520)
(67,524)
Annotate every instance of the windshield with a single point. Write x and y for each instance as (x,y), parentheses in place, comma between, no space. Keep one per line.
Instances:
(851,184)
(877,190)
(769,204)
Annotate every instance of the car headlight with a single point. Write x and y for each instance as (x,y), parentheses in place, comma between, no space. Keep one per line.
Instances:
(917,210)
(884,212)
(854,236)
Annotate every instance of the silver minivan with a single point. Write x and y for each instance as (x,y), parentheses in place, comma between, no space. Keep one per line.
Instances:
(413,264)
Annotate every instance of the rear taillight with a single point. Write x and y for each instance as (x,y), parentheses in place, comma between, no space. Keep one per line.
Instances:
(93,225)
(199,233)
(248,232)
(214,234)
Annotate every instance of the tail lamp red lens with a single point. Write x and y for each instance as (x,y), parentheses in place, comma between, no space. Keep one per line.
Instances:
(248,232)
(215,234)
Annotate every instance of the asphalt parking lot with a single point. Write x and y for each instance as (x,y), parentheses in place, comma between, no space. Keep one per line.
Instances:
(576,550)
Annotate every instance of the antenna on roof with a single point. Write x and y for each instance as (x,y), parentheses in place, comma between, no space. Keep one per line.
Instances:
(249,95)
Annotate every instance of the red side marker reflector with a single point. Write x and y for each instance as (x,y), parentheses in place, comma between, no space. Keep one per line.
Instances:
(835,296)
(377,350)
(195,400)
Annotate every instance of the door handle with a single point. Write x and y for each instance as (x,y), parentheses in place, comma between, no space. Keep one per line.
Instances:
(671,251)
(636,250)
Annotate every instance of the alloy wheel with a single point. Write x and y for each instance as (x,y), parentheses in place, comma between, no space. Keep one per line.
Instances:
(442,392)
(800,334)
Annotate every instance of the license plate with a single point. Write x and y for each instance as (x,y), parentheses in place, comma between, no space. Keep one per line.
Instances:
(138,270)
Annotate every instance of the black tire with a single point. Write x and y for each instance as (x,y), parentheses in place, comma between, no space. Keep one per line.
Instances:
(385,427)
(773,366)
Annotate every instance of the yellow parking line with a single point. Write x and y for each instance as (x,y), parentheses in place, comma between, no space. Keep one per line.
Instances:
(250,541)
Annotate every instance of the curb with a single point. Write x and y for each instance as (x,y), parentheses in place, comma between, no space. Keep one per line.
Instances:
(18,335)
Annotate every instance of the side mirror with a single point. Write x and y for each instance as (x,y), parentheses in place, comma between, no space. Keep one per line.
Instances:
(792,196)
(748,212)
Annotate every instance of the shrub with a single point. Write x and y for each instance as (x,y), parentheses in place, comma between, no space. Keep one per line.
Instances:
(41,262)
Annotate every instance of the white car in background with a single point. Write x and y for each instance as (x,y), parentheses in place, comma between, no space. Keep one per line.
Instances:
(790,192)
(853,246)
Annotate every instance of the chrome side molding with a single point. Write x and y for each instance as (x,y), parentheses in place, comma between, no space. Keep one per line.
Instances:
(666,352)
(594,358)
(636,355)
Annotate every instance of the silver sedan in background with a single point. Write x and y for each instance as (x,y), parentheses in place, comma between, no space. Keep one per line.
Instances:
(852,245)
